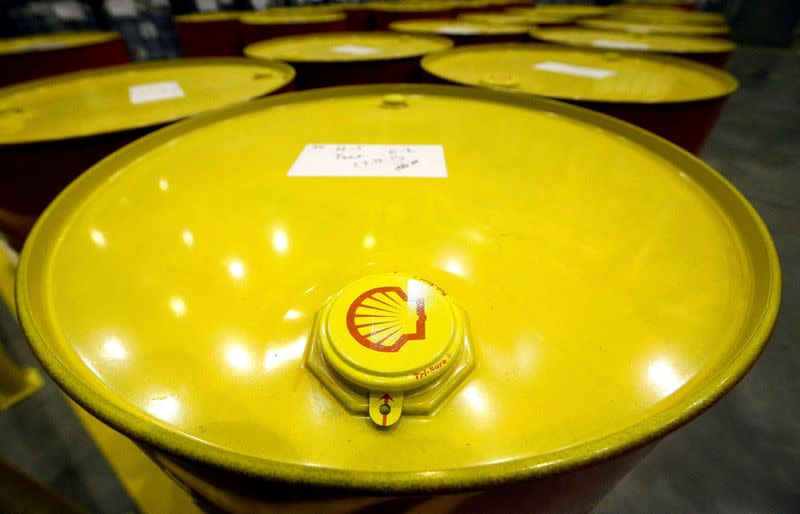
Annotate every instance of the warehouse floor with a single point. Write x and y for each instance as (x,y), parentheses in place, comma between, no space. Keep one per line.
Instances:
(743,455)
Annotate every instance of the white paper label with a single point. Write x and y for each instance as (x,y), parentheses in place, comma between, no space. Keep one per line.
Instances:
(69,11)
(623,45)
(355,49)
(571,69)
(456,30)
(121,8)
(155,92)
(206,5)
(331,160)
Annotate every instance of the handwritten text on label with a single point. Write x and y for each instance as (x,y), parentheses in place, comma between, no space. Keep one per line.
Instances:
(348,160)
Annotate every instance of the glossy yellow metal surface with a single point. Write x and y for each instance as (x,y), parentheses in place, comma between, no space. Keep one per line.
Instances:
(580,74)
(288,18)
(534,18)
(675,16)
(107,100)
(346,47)
(655,28)
(455,27)
(572,11)
(608,277)
(205,17)
(633,41)
(402,7)
(53,41)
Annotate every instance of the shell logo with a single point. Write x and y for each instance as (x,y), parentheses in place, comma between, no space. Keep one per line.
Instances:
(382,319)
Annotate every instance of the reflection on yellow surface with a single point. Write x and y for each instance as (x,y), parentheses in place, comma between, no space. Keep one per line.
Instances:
(663,377)
(188,238)
(177,305)
(280,241)
(236,269)
(238,357)
(166,408)
(114,349)
(278,356)
(97,237)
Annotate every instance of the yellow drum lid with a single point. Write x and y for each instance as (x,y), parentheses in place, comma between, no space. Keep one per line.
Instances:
(207,17)
(655,28)
(346,47)
(580,74)
(604,275)
(289,18)
(455,28)
(412,7)
(675,17)
(572,11)
(631,41)
(47,42)
(534,18)
(131,96)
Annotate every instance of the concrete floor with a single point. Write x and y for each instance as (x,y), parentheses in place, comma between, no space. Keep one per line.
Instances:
(742,456)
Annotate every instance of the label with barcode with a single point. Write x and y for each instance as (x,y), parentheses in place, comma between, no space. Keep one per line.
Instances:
(575,71)
(355,50)
(351,160)
(155,92)
(622,45)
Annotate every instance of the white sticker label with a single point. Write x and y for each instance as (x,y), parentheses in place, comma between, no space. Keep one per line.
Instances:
(69,11)
(571,69)
(623,45)
(121,8)
(206,5)
(456,30)
(330,160)
(155,92)
(355,49)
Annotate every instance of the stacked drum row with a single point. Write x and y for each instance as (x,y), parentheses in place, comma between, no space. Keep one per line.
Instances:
(486,277)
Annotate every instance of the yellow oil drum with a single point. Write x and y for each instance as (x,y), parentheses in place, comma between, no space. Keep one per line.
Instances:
(655,28)
(387,12)
(712,51)
(323,60)
(570,11)
(677,99)
(53,129)
(378,307)
(533,18)
(463,32)
(268,24)
(210,34)
(33,57)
